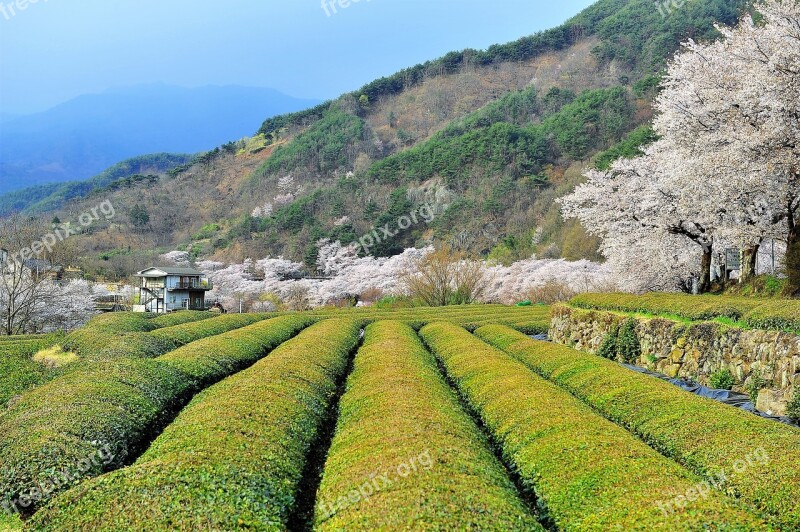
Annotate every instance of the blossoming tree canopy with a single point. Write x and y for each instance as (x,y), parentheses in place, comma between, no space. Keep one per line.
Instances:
(726,164)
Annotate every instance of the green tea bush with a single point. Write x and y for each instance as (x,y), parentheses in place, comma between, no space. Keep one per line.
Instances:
(756,313)
(18,372)
(118,404)
(234,457)
(704,435)
(587,472)
(179,318)
(782,315)
(398,409)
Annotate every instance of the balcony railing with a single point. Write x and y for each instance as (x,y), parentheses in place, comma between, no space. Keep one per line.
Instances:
(199,284)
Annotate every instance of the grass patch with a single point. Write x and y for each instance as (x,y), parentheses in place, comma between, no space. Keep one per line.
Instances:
(55,357)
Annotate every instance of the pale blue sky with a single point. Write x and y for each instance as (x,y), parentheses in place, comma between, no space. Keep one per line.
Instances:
(54,50)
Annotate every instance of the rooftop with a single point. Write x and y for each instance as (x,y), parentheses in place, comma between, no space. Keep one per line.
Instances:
(160,271)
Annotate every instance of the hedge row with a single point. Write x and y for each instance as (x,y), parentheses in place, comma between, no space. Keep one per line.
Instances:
(399,418)
(179,318)
(234,458)
(48,339)
(105,329)
(704,435)
(531,320)
(179,335)
(781,315)
(757,313)
(587,472)
(158,341)
(118,406)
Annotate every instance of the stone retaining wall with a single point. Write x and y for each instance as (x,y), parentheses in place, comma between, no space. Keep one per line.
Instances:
(695,351)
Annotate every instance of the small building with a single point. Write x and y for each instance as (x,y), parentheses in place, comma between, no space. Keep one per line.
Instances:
(166,289)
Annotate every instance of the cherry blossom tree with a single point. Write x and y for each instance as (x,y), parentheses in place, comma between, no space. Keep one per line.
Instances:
(725,168)
(733,107)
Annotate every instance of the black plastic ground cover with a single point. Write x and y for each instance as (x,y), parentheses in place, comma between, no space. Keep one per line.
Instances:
(734,399)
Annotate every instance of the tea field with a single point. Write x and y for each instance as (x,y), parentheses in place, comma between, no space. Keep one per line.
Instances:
(415,419)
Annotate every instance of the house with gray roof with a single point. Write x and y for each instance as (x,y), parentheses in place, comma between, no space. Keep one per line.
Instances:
(167,289)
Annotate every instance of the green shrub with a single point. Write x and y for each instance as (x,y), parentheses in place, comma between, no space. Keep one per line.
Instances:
(398,409)
(756,313)
(118,404)
(755,384)
(18,372)
(722,379)
(793,409)
(162,340)
(628,346)
(179,318)
(608,349)
(704,435)
(587,472)
(234,458)
(781,315)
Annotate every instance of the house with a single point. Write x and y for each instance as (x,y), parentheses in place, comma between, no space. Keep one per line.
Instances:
(42,269)
(166,289)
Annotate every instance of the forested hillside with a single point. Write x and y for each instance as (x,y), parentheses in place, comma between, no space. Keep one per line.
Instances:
(488,139)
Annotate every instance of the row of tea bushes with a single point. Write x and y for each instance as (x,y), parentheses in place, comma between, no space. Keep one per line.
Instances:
(530,320)
(400,419)
(588,473)
(234,458)
(755,313)
(179,318)
(117,406)
(97,343)
(758,456)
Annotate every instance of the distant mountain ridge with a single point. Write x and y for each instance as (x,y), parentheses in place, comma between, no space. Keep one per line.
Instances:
(487,139)
(86,135)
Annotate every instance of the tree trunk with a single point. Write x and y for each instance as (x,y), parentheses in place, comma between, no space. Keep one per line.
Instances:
(793,262)
(749,264)
(705,270)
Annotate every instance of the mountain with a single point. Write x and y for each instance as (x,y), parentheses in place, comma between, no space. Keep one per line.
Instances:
(52,196)
(83,136)
(485,139)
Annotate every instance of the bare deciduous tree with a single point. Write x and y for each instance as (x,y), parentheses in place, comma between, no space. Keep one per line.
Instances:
(27,291)
(446,277)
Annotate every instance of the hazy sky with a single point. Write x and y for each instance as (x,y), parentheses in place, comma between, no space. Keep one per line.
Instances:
(54,50)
